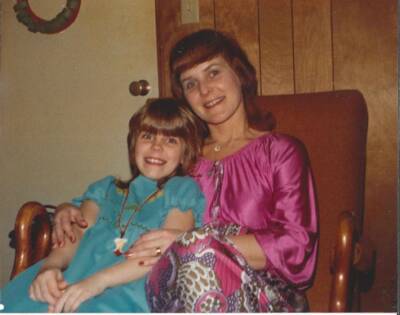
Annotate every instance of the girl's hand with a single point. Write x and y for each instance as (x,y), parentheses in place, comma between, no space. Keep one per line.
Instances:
(78,293)
(66,215)
(47,286)
(151,245)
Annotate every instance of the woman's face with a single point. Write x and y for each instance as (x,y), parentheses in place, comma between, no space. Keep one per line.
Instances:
(213,90)
(158,156)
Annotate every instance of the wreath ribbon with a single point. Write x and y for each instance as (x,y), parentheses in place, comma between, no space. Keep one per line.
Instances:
(34,23)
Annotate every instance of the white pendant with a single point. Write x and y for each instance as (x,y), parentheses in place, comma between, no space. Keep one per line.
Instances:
(119,243)
(217,148)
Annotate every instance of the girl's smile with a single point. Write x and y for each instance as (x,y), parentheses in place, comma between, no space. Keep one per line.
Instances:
(157,155)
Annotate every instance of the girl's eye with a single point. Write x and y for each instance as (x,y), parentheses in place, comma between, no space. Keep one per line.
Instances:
(146,136)
(172,140)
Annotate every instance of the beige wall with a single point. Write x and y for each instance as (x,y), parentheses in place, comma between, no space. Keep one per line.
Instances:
(65,102)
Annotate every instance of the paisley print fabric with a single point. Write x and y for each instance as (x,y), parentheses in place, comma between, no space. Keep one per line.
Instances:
(203,272)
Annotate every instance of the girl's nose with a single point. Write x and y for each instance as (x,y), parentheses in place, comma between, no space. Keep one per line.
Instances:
(156,144)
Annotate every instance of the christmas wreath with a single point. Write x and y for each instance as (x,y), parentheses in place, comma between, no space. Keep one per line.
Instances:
(36,24)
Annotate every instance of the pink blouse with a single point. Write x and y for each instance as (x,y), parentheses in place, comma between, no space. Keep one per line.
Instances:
(267,187)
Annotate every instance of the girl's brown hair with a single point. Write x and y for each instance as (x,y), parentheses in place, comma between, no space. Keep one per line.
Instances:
(206,44)
(170,117)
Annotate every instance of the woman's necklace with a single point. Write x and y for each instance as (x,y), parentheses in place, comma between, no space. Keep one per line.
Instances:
(217,147)
(121,240)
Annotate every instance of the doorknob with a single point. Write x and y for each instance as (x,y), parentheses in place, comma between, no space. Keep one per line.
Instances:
(141,87)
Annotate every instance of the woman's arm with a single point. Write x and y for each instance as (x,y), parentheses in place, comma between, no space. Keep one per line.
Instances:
(289,241)
(67,215)
(129,270)
(146,246)
(251,250)
(49,281)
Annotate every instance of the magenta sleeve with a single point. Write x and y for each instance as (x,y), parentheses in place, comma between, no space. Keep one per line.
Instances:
(290,239)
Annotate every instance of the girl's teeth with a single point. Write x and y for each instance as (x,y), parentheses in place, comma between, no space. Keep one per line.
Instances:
(154,161)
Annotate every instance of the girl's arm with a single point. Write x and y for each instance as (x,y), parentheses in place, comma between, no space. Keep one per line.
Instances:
(49,281)
(132,269)
(124,272)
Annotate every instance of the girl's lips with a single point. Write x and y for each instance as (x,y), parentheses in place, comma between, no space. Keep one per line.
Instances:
(214,102)
(154,161)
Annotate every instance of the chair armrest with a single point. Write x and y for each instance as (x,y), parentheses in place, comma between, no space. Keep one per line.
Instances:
(32,234)
(351,254)
(342,262)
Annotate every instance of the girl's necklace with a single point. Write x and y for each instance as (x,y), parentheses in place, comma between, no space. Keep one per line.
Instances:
(121,240)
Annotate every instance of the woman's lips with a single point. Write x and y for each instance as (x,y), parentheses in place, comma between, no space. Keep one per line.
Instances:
(214,102)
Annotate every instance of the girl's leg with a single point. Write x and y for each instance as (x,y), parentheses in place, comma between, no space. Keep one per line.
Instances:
(15,294)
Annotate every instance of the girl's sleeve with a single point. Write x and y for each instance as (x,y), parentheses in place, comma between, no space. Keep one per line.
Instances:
(182,192)
(291,237)
(96,191)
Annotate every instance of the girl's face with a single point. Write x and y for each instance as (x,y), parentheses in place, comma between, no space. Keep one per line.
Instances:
(213,90)
(158,156)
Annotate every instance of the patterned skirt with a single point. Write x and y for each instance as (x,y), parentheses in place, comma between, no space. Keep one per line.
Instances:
(204,272)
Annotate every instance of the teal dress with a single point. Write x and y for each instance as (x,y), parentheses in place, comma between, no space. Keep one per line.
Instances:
(96,248)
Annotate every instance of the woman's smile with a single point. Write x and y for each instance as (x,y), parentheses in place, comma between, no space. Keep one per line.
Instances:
(213,102)
(213,90)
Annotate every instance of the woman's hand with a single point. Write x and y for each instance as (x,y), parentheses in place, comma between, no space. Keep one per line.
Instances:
(66,215)
(78,293)
(47,286)
(151,245)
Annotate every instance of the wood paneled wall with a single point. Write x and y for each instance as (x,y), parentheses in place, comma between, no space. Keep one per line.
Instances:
(319,45)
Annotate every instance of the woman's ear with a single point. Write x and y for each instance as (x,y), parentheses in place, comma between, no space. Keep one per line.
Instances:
(184,153)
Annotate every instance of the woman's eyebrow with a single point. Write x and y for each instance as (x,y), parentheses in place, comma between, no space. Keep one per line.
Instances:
(203,70)
(211,65)
(185,79)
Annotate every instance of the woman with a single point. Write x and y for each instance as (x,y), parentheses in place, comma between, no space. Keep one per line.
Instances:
(257,250)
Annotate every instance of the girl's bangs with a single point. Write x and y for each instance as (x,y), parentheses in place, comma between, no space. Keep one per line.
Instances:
(167,127)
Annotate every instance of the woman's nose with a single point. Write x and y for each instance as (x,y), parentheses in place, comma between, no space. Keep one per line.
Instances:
(203,88)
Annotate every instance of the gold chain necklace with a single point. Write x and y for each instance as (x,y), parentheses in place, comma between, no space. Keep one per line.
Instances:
(121,241)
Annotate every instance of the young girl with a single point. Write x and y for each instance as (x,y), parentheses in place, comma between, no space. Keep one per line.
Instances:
(92,274)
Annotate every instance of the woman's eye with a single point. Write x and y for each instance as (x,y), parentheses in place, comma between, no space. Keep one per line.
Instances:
(189,85)
(213,73)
